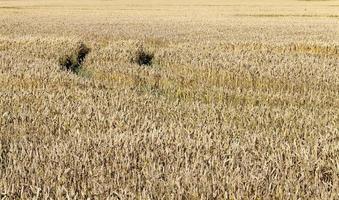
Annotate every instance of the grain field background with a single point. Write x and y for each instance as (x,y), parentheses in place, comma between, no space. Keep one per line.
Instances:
(241,100)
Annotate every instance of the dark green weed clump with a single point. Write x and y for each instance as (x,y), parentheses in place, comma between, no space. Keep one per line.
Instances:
(73,62)
(143,58)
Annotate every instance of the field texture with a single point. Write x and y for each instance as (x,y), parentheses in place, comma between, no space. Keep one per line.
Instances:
(241,100)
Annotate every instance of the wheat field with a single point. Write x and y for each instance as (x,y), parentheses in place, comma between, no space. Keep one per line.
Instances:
(241,100)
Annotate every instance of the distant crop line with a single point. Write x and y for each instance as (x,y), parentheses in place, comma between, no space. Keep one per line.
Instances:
(284,15)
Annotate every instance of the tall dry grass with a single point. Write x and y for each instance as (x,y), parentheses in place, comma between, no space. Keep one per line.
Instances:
(241,100)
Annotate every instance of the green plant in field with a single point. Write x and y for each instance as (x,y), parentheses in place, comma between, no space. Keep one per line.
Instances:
(73,62)
(143,57)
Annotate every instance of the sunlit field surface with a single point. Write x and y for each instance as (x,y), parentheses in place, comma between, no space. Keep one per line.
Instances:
(241,100)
